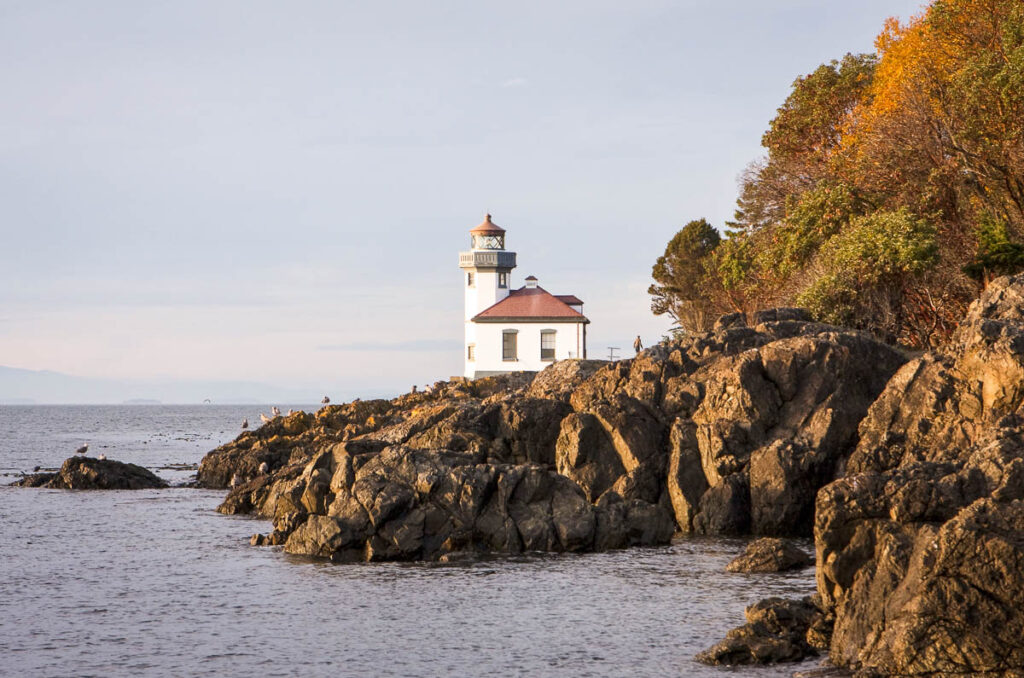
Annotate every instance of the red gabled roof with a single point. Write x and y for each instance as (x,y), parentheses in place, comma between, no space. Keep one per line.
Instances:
(530,303)
(570,299)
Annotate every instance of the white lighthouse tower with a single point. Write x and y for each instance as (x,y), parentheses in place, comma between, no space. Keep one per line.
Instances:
(513,330)
(487,267)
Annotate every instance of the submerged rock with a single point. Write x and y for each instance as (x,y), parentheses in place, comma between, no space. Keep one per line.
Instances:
(770,555)
(87,473)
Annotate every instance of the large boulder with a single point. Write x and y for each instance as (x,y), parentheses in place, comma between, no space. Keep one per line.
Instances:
(88,473)
(776,631)
(771,426)
(921,545)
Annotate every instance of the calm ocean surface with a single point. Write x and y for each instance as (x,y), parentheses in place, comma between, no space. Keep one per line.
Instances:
(156,583)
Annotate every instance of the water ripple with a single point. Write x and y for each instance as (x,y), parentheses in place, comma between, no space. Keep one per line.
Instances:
(155,582)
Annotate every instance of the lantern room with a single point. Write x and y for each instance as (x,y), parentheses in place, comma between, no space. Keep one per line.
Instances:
(487,236)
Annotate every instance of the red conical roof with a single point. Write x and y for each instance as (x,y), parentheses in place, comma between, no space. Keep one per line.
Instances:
(487,226)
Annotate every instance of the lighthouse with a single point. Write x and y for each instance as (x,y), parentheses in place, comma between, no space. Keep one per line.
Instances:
(513,330)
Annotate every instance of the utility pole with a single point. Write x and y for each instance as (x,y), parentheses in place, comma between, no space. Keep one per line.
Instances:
(611,352)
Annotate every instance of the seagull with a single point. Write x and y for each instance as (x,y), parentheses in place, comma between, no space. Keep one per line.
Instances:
(102,457)
(245,423)
(264,468)
(325,401)
(236,480)
(83,449)
(275,411)
(290,412)
(264,418)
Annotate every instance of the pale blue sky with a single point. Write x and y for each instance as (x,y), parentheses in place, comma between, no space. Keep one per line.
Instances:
(277,192)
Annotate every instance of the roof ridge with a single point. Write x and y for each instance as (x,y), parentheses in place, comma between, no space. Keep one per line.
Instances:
(530,302)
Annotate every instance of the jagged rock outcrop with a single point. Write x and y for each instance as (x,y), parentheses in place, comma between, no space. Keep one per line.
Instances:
(771,425)
(405,504)
(920,546)
(88,473)
(731,431)
(275,443)
(769,554)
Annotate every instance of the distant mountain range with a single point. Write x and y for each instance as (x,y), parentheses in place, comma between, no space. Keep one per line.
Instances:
(23,387)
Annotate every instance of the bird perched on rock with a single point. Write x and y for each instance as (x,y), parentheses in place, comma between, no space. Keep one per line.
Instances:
(102,457)
(264,468)
(275,411)
(245,423)
(83,449)
(264,418)
(290,413)
(236,480)
(325,401)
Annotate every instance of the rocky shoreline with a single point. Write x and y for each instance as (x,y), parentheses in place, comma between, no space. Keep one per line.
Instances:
(908,471)
(732,432)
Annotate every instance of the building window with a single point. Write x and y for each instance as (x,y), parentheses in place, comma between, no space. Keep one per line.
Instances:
(471,352)
(469,280)
(503,280)
(508,345)
(547,344)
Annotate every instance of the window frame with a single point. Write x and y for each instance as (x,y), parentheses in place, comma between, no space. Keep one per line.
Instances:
(514,334)
(470,279)
(471,353)
(553,334)
(503,280)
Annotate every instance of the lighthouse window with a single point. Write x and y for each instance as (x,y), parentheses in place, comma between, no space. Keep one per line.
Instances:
(471,352)
(547,344)
(503,280)
(469,279)
(508,345)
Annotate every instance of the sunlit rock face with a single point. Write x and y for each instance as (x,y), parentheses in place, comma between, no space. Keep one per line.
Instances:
(727,432)
(920,546)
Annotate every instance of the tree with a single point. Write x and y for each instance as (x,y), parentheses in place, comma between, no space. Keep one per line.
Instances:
(891,190)
(802,138)
(681,275)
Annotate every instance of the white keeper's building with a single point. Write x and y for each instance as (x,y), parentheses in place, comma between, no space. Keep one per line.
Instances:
(508,330)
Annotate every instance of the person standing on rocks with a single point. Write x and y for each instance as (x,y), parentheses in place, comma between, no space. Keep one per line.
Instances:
(638,345)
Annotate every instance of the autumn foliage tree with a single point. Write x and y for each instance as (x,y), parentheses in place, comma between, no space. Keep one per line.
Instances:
(892,188)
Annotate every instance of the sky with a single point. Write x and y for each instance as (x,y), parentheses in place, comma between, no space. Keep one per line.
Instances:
(277,192)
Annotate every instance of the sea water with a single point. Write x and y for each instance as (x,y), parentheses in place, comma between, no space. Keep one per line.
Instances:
(156,583)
